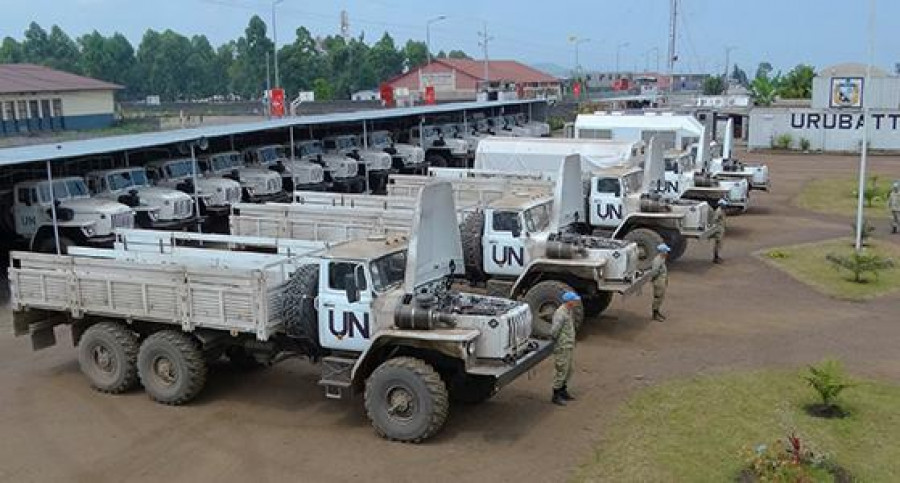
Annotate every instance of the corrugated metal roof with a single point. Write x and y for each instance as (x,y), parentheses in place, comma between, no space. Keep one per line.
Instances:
(89,147)
(16,78)
(498,70)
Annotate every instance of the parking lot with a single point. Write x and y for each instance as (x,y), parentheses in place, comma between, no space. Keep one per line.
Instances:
(274,424)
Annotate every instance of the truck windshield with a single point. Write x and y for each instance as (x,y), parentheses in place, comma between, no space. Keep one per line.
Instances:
(430,132)
(381,138)
(348,142)
(537,219)
(270,154)
(63,189)
(450,130)
(225,162)
(180,169)
(127,179)
(310,149)
(388,270)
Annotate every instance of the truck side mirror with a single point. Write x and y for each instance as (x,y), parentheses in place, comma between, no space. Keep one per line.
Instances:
(351,288)
(516,231)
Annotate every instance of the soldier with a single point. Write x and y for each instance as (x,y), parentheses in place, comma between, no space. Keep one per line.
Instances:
(563,331)
(894,206)
(719,221)
(660,276)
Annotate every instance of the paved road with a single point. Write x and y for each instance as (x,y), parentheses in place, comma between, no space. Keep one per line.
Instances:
(275,424)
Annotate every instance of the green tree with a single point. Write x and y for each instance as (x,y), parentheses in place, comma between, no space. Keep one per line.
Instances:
(416,54)
(797,84)
(384,59)
(162,68)
(11,51)
(301,63)
(63,51)
(458,54)
(108,58)
(323,90)
(763,90)
(248,71)
(224,60)
(714,85)
(441,55)
(200,69)
(739,76)
(763,70)
(36,46)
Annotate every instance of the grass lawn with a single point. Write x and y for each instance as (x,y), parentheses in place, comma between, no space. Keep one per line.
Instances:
(839,197)
(701,429)
(806,263)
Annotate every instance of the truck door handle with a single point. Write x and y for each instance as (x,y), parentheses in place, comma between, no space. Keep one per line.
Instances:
(328,305)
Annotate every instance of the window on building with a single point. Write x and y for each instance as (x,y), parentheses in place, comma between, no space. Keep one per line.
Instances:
(57,107)
(22,109)
(34,109)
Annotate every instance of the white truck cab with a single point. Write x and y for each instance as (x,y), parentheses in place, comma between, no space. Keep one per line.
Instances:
(216,194)
(440,151)
(728,166)
(296,174)
(81,220)
(375,164)
(537,128)
(155,207)
(406,158)
(340,170)
(258,185)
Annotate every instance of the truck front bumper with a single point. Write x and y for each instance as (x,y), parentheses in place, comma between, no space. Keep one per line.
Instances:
(323,186)
(173,225)
(626,287)
(279,197)
(700,234)
(504,373)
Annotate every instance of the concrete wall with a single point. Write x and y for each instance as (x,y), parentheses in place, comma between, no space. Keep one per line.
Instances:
(826,129)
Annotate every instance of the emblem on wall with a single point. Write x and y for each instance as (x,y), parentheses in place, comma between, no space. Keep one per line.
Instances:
(846,91)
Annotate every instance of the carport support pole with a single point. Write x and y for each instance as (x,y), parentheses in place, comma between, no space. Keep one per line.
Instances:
(366,147)
(127,164)
(421,134)
(292,143)
(53,208)
(465,124)
(196,187)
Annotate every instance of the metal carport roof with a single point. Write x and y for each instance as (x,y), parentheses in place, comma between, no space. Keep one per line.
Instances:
(88,147)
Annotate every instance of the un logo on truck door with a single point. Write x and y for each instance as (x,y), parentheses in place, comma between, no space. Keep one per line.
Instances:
(609,211)
(508,256)
(350,325)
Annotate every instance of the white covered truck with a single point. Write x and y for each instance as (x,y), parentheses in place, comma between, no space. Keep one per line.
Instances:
(81,219)
(618,198)
(440,150)
(687,143)
(516,243)
(406,158)
(155,207)
(378,315)
(258,185)
(729,166)
(374,164)
(296,174)
(216,194)
(342,172)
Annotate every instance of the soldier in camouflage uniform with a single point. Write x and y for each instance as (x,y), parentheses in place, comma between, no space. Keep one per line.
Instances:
(659,274)
(719,221)
(894,206)
(563,331)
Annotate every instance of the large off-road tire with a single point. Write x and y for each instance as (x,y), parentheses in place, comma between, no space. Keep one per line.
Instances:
(472,233)
(544,298)
(172,367)
(107,356)
(48,245)
(647,240)
(472,389)
(406,400)
(679,246)
(436,160)
(597,304)
(298,304)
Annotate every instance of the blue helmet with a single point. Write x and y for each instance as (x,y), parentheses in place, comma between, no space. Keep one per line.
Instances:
(723,202)
(570,297)
(663,248)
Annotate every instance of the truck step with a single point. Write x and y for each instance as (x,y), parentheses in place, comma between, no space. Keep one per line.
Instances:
(336,375)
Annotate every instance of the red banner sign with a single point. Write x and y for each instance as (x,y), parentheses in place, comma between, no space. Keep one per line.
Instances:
(429,95)
(276,102)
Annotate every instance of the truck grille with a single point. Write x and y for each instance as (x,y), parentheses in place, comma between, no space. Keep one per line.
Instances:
(183,208)
(273,185)
(122,220)
(233,194)
(519,328)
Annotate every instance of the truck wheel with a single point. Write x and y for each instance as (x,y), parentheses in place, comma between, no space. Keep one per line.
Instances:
(647,240)
(107,355)
(436,160)
(679,246)
(172,367)
(596,305)
(471,232)
(406,400)
(472,389)
(48,245)
(544,298)
(298,304)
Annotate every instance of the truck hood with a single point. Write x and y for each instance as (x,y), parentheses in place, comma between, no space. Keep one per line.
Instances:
(436,244)
(160,194)
(257,174)
(375,160)
(340,166)
(95,205)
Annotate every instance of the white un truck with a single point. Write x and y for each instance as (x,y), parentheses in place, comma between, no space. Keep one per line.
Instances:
(155,207)
(377,314)
(81,220)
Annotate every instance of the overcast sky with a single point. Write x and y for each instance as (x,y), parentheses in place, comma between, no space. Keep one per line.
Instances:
(784,32)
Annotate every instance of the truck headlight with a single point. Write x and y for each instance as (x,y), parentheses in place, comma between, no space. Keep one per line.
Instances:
(153,214)
(88,231)
(167,202)
(470,348)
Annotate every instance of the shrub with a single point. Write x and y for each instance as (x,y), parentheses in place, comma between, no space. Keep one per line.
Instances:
(556,123)
(859,263)
(776,254)
(788,460)
(804,144)
(783,141)
(829,381)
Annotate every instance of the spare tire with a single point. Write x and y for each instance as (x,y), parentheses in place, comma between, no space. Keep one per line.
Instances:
(647,240)
(472,231)
(298,304)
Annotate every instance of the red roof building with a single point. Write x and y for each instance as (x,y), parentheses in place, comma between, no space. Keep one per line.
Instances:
(459,79)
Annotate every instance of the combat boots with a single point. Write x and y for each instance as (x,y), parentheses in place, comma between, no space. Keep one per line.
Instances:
(558,397)
(564,392)
(658,316)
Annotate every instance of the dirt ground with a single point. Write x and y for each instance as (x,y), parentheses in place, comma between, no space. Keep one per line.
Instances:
(276,424)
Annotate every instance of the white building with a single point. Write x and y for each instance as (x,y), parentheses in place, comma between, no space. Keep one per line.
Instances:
(834,120)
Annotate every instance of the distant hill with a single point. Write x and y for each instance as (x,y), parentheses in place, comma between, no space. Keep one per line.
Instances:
(555,70)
